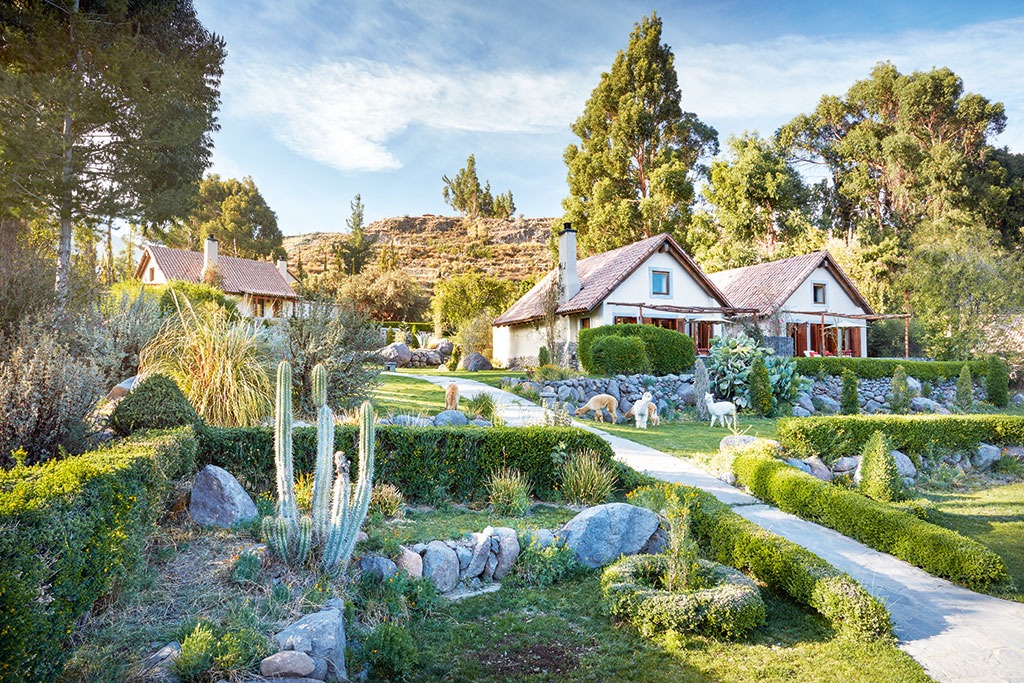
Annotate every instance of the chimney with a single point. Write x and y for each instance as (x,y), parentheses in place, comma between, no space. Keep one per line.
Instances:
(282,267)
(209,256)
(567,263)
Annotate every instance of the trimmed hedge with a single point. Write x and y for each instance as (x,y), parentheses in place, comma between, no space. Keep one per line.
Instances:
(834,437)
(784,566)
(938,551)
(611,355)
(877,368)
(71,531)
(668,351)
(157,403)
(428,464)
(731,605)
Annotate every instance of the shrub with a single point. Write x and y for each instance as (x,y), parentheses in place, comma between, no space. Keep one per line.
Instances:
(387,500)
(428,464)
(668,352)
(46,394)
(835,437)
(397,600)
(179,294)
(221,365)
(128,317)
(900,401)
(939,551)
(509,492)
(730,363)
(586,480)
(197,652)
(543,356)
(481,405)
(391,653)
(157,403)
(550,373)
(879,478)
(209,652)
(965,390)
(780,564)
(542,567)
(72,531)
(997,382)
(701,386)
(617,356)
(849,401)
(877,368)
(760,388)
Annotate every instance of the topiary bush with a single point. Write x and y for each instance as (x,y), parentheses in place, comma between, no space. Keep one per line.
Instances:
(879,478)
(543,356)
(668,352)
(612,355)
(997,382)
(760,388)
(157,403)
(965,390)
(849,400)
(900,401)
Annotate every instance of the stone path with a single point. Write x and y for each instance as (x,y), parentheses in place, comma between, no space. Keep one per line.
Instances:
(957,635)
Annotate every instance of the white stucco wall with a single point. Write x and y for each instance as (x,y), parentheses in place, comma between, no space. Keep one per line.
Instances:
(836,301)
(516,341)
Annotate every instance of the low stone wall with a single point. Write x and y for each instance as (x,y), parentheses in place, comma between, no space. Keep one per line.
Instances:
(875,395)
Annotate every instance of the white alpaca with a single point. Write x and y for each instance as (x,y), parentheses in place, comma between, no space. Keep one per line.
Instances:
(652,414)
(720,410)
(641,410)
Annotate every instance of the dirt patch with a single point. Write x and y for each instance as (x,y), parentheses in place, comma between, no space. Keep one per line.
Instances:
(506,659)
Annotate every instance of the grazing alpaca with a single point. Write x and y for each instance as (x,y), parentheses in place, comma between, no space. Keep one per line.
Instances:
(652,414)
(720,410)
(641,410)
(451,397)
(598,404)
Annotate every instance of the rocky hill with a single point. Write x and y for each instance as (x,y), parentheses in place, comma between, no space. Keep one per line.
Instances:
(431,247)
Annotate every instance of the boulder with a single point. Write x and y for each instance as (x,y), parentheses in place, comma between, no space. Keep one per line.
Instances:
(603,533)
(397,353)
(441,565)
(409,562)
(481,551)
(872,406)
(219,500)
(613,389)
(799,411)
(828,404)
(475,362)
(914,386)
(157,666)
(657,543)
(1018,399)
(803,400)
(508,550)
(450,418)
(320,635)
(818,468)
(920,404)
(541,538)
(479,422)
(411,421)
(845,465)
(736,442)
(444,348)
(904,465)
(986,456)
(287,664)
(799,464)
(686,396)
(378,567)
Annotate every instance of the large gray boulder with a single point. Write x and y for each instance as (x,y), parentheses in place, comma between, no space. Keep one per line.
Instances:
(475,362)
(905,467)
(444,348)
(800,465)
(450,418)
(798,411)
(735,442)
(920,404)
(479,554)
(686,396)
(320,635)
(914,386)
(397,353)
(379,567)
(828,404)
(219,500)
(845,465)
(986,456)
(819,468)
(508,550)
(441,565)
(601,534)
(1018,399)
(803,400)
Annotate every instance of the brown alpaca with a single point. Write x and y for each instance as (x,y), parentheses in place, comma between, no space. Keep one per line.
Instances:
(652,414)
(598,404)
(451,397)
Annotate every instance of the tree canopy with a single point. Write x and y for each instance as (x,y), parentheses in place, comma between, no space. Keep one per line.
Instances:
(460,298)
(464,194)
(631,175)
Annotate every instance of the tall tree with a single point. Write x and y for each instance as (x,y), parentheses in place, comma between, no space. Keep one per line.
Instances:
(108,108)
(235,212)
(632,174)
(357,247)
(465,194)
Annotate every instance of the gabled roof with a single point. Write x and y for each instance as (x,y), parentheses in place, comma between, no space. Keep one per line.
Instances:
(767,286)
(599,275)
(238,275)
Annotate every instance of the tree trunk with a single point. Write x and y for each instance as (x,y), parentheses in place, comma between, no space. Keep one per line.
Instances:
(62,284)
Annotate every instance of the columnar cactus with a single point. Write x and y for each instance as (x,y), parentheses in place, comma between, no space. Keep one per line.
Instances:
(324,448)
(349,509)
(286,506)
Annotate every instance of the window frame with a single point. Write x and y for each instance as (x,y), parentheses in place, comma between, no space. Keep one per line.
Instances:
(824,293)
(668,281)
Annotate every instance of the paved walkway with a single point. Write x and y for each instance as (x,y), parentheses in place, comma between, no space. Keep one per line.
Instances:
(957,635)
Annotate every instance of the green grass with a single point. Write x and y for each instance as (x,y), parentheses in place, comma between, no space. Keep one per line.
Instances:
(561,633)
(490,377)
(686,436)
(398,394)
(994,517)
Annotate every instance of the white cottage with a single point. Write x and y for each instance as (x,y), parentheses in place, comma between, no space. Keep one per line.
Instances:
(651,281)
(808,298)
(262,289)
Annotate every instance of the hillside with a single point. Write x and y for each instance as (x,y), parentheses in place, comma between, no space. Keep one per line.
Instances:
(431,247)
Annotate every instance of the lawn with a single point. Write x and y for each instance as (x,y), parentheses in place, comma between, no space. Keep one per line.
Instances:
(490,377)
(397,394)
(687,437)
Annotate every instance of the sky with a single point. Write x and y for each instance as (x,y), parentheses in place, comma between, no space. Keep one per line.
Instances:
(325,99)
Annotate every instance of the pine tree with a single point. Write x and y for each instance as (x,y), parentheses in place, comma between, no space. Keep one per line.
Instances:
(849,401)
(965,389)
(900,401)
(760,388)
(879,478)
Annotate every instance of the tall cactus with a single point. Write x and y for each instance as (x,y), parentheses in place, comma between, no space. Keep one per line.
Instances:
(324,448)
(286,506)
(349,510)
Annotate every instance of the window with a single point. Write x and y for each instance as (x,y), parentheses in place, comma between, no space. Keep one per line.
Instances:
(667,323)
(258,308)
(819,293)
(152,277)
(660,282)
(584,323)
(624,320)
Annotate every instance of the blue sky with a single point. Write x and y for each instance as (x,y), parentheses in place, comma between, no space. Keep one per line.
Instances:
(323,99)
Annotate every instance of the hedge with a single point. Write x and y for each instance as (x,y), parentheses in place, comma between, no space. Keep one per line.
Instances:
(613,355)
(938,551)
(157,403)
(877,368)
(668,351)
(785,567)
(834,437)
(71,531)
(429,464)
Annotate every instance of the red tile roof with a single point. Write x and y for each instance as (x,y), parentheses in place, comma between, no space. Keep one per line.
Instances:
(599,275)
(767,286)
(239,275)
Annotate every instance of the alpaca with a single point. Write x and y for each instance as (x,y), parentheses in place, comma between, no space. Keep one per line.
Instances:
(598,404)
(652,414)
(451,397)
(641,410)
(720,410)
